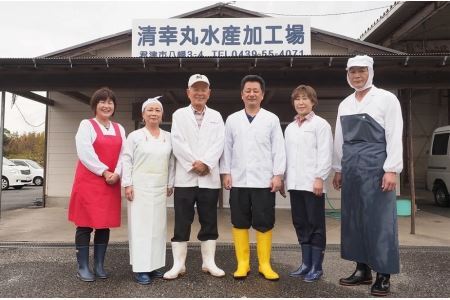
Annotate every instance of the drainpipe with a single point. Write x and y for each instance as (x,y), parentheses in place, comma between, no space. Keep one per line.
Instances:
(411,166)
(2,126)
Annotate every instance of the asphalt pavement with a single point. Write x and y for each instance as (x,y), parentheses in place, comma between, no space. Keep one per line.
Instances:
(37,259)
(48,270)
(28,196)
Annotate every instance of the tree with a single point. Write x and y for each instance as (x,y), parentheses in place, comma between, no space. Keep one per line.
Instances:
(6,136)
(29,145)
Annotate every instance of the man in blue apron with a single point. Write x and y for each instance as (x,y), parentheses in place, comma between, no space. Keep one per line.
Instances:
(368,156)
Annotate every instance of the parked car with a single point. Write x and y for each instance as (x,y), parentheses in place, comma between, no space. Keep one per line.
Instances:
(438,169)
(14,176)
(37,171)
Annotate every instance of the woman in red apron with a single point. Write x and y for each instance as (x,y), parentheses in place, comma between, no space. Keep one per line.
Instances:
(95,202)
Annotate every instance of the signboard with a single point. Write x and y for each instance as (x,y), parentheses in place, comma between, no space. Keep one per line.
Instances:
(221,37)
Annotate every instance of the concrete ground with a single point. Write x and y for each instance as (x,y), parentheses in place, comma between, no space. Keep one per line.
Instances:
(50,225)
(37,259)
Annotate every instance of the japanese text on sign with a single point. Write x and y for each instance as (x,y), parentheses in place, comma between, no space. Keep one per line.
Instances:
(224,37)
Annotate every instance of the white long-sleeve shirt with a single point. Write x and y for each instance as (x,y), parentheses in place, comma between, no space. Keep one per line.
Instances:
(84,140)
(191,143)
(385,109)
(254,152)
(134,139)
(309,151)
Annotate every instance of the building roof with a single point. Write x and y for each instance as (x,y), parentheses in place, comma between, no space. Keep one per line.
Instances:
(412,27)
(69,74)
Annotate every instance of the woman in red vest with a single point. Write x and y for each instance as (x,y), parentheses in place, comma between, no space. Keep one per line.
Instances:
(95,199)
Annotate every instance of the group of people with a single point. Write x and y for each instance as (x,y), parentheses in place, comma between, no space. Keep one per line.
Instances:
(249,156)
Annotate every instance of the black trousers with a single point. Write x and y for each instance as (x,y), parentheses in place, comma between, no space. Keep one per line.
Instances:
(308,217)
(184,200)
(252,207)
(83,236)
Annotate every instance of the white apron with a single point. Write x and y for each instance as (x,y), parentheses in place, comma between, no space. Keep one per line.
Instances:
(147,212)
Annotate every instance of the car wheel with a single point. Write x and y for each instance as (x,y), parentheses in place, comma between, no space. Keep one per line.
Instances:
(441,196)
(5,183)
(38,180)
(18,187)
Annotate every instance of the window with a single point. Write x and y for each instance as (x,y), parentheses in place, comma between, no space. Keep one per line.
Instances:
(440,144)
(20,163)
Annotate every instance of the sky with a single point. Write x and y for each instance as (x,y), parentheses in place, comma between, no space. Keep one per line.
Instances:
(34,28)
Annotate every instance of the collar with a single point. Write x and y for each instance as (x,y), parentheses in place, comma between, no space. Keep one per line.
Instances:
(306,118)
(198,112)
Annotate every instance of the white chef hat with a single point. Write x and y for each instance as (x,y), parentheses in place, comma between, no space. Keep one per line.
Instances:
(361,61)
(151,101)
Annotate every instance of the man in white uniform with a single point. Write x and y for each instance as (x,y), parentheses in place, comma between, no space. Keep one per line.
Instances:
(253,165)
(197,141)
(368,156)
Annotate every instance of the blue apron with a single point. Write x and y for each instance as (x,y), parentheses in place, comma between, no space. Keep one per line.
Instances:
(369,215)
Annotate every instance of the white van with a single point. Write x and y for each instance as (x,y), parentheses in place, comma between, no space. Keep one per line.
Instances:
(438,170)
(37,171)
(14,176)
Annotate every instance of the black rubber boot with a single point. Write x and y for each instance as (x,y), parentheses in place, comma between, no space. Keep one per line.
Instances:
(362,275)
(382,286)
(306,262)
(99,260)
(83,264)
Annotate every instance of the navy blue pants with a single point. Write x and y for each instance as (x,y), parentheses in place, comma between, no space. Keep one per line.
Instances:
(308,217)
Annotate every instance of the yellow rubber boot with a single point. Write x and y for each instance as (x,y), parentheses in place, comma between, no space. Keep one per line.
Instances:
(264,247)
(242,249)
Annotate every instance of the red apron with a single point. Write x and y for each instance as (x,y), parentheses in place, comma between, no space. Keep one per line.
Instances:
(93,202)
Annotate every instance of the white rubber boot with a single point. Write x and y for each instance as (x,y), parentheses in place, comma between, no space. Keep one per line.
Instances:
(179,252)
(208,253)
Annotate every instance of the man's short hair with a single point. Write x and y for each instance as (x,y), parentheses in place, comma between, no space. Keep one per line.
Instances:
(253,78)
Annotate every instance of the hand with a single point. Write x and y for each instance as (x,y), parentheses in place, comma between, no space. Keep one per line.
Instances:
(129,193)
(389,181)
(318,187)
(227,183)
(112,179)
(200,168)
(108,176)
(276,183)
(169,191)
(337,181)
(282,189)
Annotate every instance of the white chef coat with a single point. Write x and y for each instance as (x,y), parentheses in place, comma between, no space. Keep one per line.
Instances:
(254,152)
(385,109)
(84,140)
(148,166)
(309,151)
(191,143)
